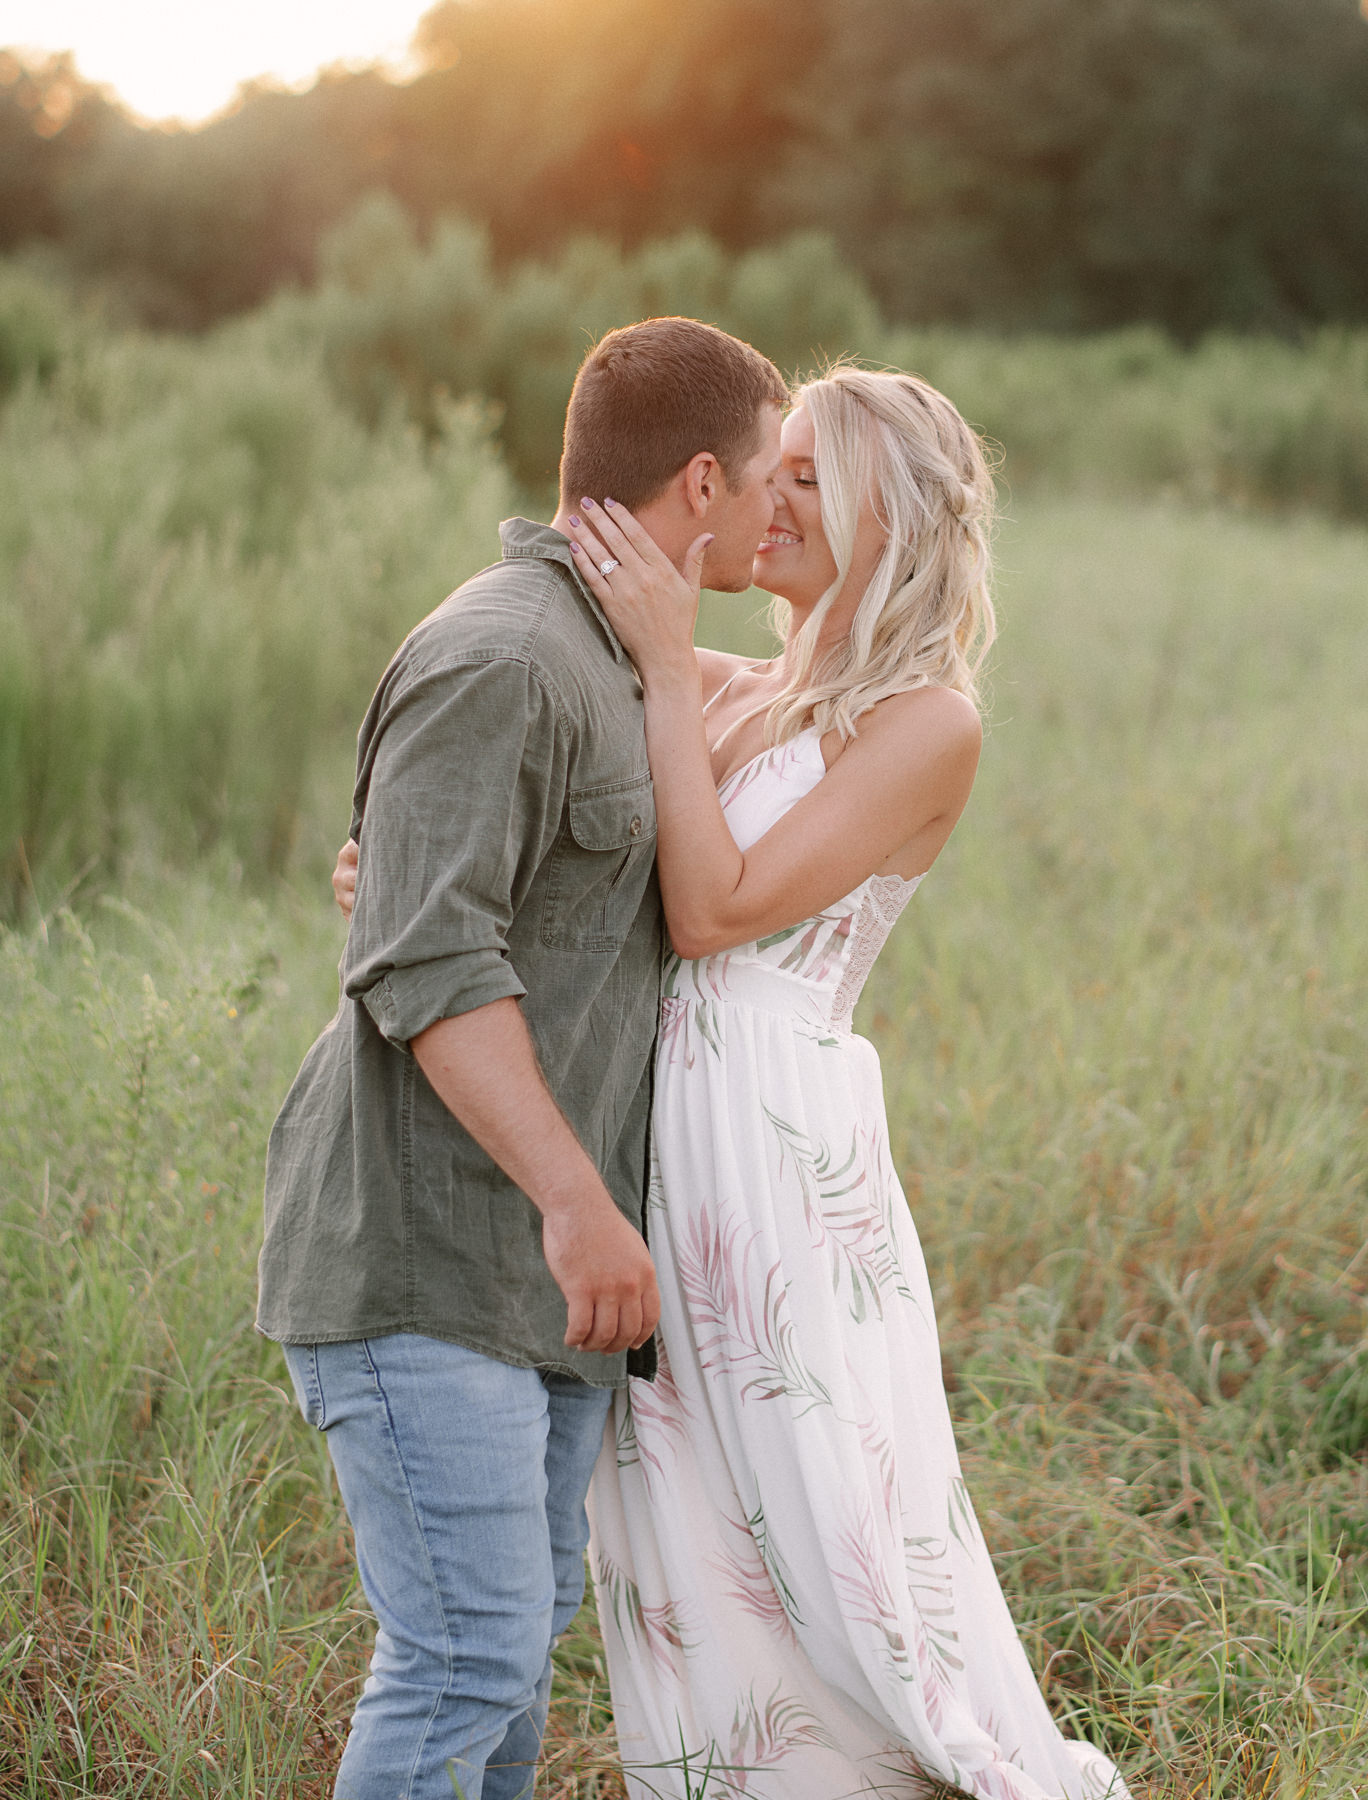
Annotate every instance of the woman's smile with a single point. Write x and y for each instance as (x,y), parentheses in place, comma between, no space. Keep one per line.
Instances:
(793,559)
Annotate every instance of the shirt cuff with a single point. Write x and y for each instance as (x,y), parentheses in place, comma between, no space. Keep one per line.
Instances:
(407,1001)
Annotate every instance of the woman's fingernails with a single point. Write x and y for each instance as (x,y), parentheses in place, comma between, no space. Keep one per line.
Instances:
(575,549)
(586,503)
(608,502)
(574,521)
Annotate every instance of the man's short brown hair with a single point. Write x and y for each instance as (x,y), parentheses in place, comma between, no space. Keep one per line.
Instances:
(649,397)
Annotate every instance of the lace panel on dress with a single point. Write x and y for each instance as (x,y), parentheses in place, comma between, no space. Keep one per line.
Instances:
(881,904)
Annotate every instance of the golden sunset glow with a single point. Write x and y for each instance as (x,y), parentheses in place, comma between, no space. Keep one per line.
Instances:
(169,59)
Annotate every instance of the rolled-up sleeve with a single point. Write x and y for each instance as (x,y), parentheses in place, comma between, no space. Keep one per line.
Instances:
(460,793)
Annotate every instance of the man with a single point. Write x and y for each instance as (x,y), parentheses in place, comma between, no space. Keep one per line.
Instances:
(453,1256)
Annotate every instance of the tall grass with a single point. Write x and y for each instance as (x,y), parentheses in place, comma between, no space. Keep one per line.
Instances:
(205,560)
(397,316)
(1123,1039)
(1258,424)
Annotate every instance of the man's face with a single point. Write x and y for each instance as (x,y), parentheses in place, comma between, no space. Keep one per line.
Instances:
(741,515)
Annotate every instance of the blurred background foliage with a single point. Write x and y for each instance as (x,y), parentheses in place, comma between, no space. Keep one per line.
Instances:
(1051,164)
(267,386)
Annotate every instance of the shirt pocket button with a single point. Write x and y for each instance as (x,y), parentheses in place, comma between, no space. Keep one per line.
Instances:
(635,827)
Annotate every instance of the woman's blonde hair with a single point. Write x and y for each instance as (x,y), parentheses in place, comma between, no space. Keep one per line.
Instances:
(926,618)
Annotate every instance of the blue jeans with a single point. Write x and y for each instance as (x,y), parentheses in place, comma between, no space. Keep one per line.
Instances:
(464,1479)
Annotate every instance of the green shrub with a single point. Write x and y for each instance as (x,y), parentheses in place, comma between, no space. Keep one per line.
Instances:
(36,324)
(402,323)
(205,561)
(1252,422)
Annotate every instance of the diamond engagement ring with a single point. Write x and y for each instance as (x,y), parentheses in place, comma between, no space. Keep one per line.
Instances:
(607,566)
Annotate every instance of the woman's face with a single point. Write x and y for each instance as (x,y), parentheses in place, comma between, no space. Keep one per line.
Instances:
(794,559)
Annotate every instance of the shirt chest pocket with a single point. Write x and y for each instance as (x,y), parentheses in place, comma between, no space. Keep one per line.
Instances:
(600,866)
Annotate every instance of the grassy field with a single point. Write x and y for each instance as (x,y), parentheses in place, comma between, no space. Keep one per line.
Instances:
(1123,1037)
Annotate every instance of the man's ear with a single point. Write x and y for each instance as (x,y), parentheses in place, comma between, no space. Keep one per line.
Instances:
(702,483)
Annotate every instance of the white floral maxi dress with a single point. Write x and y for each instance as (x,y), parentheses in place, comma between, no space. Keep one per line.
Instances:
(796,1600)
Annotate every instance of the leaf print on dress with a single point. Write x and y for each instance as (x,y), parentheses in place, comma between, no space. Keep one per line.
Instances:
(763,1736)
(771,761)
(627,1448)
(655,1187)
(687,1029)
(929,1578)
(698,1013)
(877,1444)
(895,1210)
(964,1525)
(856,1235)
(806,958)
(660,1415)
(655,1629)
(864,1577)
(739,1307)
(760,1582)
(860,1574)
(760,1740)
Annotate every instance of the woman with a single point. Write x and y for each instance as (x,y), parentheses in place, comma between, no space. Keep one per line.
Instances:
(795,1597)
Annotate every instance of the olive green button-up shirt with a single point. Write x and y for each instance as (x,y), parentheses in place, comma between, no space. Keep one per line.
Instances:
(507,829)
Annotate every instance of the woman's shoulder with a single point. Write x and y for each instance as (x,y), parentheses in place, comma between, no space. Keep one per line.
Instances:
(924,713)
(905,731)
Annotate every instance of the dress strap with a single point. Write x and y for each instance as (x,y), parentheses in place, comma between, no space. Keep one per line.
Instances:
(747,669)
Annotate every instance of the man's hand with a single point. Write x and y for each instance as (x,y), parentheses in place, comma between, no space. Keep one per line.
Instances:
(344,877)
(602,1266)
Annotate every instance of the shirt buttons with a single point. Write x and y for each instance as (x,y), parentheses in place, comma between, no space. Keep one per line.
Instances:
(635,828)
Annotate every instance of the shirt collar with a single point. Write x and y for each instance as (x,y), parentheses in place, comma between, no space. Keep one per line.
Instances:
(525,538)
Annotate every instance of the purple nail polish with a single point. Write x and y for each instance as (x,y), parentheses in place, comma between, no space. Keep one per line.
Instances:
(574,521)
(608,502)
(587,504)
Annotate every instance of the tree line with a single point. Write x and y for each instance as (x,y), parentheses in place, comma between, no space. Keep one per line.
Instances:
(1006,164)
